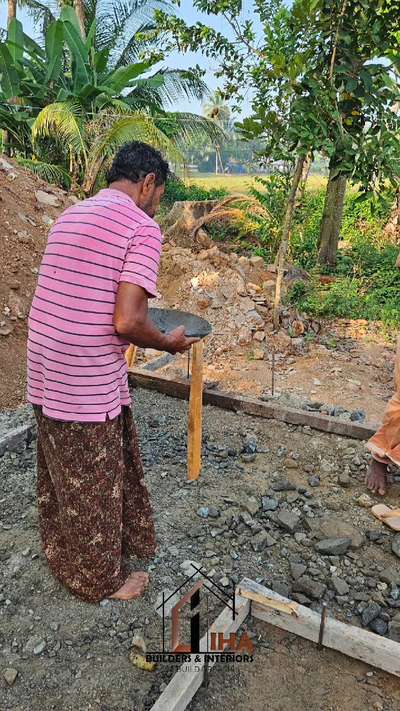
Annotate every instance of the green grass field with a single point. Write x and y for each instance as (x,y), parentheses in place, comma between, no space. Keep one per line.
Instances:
(242,183)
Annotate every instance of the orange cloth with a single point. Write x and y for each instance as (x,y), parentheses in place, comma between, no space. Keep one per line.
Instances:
(385,444)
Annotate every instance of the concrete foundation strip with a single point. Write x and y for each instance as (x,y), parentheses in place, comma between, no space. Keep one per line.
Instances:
(251,406)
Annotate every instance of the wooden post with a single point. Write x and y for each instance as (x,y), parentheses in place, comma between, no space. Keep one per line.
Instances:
(130,355)
(195,412)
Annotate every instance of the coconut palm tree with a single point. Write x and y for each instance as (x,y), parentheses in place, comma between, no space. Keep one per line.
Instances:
(217,110)
(89,108)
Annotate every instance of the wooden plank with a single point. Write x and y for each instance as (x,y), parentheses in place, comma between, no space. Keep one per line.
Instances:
(195,412)
(185,683)
(350,640)
(251,591)
(252,406)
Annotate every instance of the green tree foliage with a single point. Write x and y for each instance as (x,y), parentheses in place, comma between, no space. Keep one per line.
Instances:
(68,100)
(323,78)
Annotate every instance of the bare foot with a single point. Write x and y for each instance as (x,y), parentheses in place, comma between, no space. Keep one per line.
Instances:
(376,479)
(133,587)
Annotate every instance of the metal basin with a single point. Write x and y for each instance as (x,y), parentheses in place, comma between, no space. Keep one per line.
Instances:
(167,320)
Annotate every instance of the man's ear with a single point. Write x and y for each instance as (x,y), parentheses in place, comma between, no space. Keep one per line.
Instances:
(149,181)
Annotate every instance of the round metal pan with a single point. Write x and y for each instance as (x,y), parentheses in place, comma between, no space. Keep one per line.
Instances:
(167,320)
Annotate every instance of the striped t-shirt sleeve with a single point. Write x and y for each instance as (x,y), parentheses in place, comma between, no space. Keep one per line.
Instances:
(142,258)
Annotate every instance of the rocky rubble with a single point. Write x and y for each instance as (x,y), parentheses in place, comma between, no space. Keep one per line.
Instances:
(260,519)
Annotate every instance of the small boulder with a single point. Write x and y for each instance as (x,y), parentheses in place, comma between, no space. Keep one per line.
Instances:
(309,587)
(288,520)
(333,546)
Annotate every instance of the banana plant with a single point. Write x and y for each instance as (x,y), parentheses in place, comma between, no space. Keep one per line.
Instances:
(80,107)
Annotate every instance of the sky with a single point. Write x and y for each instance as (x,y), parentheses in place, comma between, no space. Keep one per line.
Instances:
(176,60)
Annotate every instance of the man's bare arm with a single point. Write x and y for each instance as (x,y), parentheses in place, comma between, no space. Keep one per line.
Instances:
(133,324)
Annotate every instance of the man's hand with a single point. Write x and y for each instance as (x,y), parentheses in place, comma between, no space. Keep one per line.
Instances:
(177,342)
(398,262)
(132,322)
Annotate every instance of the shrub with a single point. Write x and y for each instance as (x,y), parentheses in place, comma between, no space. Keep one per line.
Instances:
(177,190)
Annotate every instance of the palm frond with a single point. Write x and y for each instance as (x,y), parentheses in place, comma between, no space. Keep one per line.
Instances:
(63,121)
(42,13)
(186,126)
(119,20)
(135,127)
(130,50)
(177,83)
(120,130)
(47,171)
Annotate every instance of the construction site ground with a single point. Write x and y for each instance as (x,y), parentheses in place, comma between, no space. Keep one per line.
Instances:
(71,655)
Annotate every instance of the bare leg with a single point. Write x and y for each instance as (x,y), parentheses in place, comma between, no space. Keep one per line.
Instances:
(376,479)
(133,587)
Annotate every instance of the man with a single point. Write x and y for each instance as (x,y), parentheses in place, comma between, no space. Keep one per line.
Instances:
(98,271)
(385,443)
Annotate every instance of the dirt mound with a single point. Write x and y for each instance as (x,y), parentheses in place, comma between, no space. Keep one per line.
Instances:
(28,207)
(233,293)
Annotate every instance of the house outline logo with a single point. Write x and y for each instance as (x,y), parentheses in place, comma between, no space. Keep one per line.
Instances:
(218,643)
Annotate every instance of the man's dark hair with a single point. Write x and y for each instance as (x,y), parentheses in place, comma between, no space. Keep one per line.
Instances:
(135,160)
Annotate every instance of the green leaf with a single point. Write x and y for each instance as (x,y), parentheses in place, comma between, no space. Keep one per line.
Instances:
(90,39)
(79,55)
(120,78)
(90,90)
(47,171)
(54,50)
(32,48)
(9,79)
(68,14)
(101,60)
(15,40)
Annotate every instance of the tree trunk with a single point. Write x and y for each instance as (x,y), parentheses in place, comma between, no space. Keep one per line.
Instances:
(392,227)
(284,246)
(80,13)
(11,11)
(304,175)
(331,220)
(11,15)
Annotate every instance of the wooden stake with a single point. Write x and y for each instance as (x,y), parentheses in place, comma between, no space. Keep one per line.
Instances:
(195,413)
(130,355)
(273,373)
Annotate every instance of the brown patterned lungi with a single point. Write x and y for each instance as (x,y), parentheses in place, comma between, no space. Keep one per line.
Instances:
(94,506)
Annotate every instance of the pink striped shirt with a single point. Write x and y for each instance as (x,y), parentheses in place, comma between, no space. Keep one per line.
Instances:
(76,364)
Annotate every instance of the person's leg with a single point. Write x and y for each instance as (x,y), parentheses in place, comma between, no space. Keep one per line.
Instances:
(54,546)
(384,446)
(85,463)
(138,532)
(376,479)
